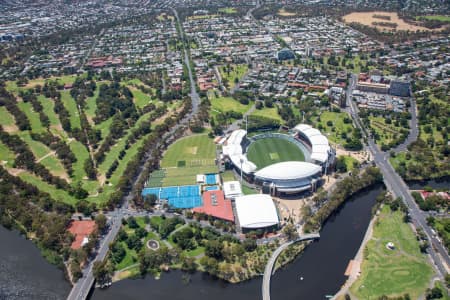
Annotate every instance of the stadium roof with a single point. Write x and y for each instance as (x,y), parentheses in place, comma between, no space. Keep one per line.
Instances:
(256,211)
(320,146)
(233,149)
(289,170)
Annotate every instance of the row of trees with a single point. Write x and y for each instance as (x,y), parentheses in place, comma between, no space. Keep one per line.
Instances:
(26,208)
(25,159)
(9,102)
(343,190)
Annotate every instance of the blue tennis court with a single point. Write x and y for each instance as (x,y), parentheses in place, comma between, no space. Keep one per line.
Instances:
(211,179)
(212,188)
(187,196)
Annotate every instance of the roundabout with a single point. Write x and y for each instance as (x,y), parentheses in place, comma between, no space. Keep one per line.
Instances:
(153,245)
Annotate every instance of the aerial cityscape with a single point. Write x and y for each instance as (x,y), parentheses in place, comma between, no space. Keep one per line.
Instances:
(217,149)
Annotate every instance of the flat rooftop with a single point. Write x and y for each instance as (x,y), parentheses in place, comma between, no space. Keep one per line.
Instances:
(215,204)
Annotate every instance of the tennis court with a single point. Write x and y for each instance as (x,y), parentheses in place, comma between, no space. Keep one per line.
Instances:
(212,188)
(211,179)
(187,196)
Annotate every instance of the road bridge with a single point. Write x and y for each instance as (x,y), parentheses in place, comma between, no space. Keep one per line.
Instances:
(269,267)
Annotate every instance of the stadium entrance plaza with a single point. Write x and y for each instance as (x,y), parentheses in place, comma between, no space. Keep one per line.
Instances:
(291,207)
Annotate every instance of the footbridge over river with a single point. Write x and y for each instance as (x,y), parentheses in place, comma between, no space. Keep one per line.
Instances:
(273,259)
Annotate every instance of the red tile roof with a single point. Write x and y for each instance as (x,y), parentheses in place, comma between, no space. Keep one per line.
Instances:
(80,229)
(214,204)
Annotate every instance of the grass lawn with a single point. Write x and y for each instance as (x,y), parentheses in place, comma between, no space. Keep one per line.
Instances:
(338,125)
(268,151)
(104,127)
(113,153)
(35,122)
(53,164)
(185,176)
(91,104)
(392,272)
(59,195)
(224,104)
(248,191)
(386,132)
(349,162)
(129,259)
(195,252)
(236,72)
(228,176)
(6,155)
(193,150)
(441,18)
(228,10)
(6,119)
(39,150)
(271,113)
(81,153)
(71,106)
(140,99)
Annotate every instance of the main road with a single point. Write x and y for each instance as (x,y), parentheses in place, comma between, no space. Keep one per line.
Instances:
(81,288)
(397,186)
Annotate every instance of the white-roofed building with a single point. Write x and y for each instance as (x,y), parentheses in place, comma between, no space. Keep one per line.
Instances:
(321,152)
(289,176)
(286,177)
(256,211)
(232,189)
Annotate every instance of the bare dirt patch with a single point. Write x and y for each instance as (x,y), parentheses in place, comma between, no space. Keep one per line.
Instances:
(10,128)
(367,18)
(282,12)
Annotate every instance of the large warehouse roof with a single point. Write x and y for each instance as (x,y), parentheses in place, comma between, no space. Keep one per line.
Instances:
(256,211)
(289,170)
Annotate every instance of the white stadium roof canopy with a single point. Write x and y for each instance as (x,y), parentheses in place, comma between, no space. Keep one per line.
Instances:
(289,170)
(256,211)
(319,143)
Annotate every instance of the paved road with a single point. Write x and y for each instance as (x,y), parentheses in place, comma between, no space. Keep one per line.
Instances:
(273,259)
(398,187)
(81,289)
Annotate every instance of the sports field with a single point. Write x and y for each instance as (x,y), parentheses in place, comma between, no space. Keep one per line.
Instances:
(268,151)
(184,160)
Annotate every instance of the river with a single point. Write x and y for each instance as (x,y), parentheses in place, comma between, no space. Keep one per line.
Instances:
(24,274)
(322,265)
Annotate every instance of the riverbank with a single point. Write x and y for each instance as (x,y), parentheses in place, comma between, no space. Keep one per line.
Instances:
(393,271)
(354,268)
(322,264)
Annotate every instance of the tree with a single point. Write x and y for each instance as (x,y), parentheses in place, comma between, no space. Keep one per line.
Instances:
(75,269)
(101,222)
(214,249)
(341,166)
(434,293)
(102,271)
(249,245)
(189,264)
(291,232)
